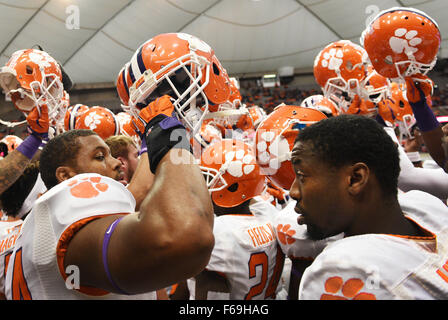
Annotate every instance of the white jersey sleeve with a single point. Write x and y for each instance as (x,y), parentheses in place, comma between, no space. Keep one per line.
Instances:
(57,215)
(433,181)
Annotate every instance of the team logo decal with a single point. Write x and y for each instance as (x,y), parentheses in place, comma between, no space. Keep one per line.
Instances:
(405,41)
(350,290)
(87,188)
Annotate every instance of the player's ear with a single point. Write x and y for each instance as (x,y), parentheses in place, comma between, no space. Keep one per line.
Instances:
(358,179)
(64,173)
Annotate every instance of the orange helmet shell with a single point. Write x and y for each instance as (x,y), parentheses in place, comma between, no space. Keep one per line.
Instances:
(159,60)
(397,107)
(275,138)
(233,175)
(72,114)
(324,105)
(341,65)
(99,119)
(402,42)
(122,85)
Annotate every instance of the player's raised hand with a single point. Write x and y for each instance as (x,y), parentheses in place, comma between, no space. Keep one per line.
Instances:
(38,122)
(419,89)
(159,110)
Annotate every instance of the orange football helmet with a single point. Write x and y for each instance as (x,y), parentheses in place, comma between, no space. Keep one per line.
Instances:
(275,138)
(128,128)
(12,142)
(396,111)
(232,173)
(182,66)
(123,117)
(72,114)
(375,87)
(340,69)
(402,42)
(122,85)
(324,105)
(234,101)
(277,196)
(33,78)
(361,107)
(235,98)
(251,118)
(99,119)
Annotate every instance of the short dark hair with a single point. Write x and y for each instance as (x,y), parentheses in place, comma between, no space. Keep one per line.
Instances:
(60,151)
(12,199)
(348,139)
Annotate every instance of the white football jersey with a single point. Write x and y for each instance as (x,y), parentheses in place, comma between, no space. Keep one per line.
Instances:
(35,269)
(386,267)
(246,253)
(9,232)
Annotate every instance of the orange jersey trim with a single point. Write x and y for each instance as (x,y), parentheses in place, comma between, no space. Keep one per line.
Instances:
(430,236)
(61,250)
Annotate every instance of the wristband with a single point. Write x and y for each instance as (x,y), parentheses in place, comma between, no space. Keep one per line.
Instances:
(143,148)
(426,120)
(164,133)
(107,236)
(29,146)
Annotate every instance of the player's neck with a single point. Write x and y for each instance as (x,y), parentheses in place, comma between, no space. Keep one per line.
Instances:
(384,218)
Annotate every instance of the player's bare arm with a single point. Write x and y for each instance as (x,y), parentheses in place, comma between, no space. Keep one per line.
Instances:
(141,181)
(166,242)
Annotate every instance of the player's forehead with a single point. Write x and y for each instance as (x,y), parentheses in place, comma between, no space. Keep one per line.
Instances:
(301,152)
(91,143)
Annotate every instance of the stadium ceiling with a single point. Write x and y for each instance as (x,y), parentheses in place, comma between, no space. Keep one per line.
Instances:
(248,36)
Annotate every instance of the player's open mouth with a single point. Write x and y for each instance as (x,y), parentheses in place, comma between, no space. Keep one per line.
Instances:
(301,219)
(120,178)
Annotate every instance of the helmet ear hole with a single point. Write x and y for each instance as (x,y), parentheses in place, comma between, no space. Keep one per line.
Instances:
(389,60)
(233,187)
(349,65)
(29,70)
(216,70)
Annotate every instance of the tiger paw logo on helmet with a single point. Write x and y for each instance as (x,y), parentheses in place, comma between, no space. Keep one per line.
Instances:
(92,120)
(86,188)
(239,164)
(41,58)
(270,147)
(231,172)
(333,59)
(405,41)
(195,43)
